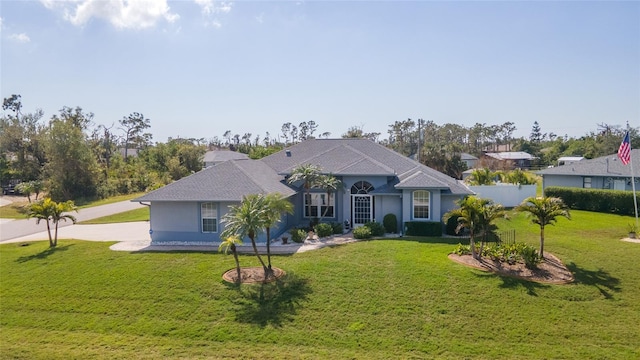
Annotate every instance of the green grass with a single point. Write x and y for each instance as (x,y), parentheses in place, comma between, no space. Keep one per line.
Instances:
(380,299)
(140,214)
(16,210)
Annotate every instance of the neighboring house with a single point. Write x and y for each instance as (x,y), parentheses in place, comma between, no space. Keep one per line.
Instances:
(470,160)
(566,160)
(214,157)
(131,152)
(606,172)
(509,160)
(376,181)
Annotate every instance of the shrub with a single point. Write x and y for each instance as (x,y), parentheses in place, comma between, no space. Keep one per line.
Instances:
(337,228)
(423,228)
(298,235)
(390,223)
(462,250)
(452,224)
(362,232)
(530,257)
(375,228)
(323,230)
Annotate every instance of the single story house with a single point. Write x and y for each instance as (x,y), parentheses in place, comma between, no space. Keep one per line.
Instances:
(566,160)
(375,181)
(509,160)
(213,157)
(606,172)
(469,160)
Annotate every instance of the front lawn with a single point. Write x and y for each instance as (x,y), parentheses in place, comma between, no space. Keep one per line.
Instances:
(381,299)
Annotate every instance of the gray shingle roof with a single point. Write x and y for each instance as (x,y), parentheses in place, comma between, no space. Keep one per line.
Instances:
(360,157)
(608,165)
(226,181)
(233,179)
(223,155)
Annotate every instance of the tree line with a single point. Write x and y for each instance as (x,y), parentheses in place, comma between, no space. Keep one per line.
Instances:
(72,158)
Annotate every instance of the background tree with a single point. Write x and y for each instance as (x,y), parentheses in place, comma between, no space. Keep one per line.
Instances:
(21,142)
(544,211)
(247,220)
(133,127)
(72,169)
(51,211)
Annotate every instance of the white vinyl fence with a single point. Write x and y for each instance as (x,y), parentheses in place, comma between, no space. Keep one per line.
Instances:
(509,195)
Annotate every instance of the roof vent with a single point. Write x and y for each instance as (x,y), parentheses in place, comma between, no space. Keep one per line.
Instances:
(288,152)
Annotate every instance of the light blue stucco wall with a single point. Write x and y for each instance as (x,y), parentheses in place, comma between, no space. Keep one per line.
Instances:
(181,222)
(563,181)
(388,204)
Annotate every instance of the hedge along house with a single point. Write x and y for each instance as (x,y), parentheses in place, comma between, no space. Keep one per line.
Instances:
(375,181)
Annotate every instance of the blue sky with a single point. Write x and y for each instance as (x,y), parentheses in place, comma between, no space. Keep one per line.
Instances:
(199,68)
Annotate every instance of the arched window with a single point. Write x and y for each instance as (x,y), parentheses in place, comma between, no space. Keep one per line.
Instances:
(361,187)
(421,204)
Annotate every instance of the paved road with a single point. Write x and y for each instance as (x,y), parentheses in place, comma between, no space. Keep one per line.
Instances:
(12,229)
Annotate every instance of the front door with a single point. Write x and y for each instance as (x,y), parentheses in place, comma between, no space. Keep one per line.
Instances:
(362,209)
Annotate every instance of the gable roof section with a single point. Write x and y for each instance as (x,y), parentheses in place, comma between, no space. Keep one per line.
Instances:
(609,165)
(226,181)
(511,155)
(223,155)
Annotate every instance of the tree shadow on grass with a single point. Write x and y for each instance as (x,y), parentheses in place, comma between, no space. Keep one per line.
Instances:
(270,303)
(602,280)
(510,282)
(43,254)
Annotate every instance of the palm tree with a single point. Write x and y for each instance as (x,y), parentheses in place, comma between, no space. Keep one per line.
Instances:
(486,226)
(477,215)
(481,177)
(247,219)
(330,183)
(230,243)
(308,174)
(276,207)
(544,211)
(51,211)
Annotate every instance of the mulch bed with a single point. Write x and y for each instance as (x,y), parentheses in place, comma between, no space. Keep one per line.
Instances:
(252,275)
(549,271)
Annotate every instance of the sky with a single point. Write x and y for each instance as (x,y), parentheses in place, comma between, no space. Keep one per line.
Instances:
(199,68)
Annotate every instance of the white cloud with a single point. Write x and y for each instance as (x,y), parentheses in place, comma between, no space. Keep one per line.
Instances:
(21,38)
(210,7)
(260,18)
(122,14)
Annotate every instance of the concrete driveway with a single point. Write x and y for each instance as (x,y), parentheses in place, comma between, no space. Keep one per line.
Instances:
(14,229)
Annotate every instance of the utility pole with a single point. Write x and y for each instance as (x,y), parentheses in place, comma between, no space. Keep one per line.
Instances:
(420,123)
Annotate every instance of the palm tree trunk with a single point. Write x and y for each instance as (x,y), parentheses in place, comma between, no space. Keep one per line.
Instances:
(255,250)
(542,242)
(473,245)
(51,244)
(235,257)
(269,247)
(55,238)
